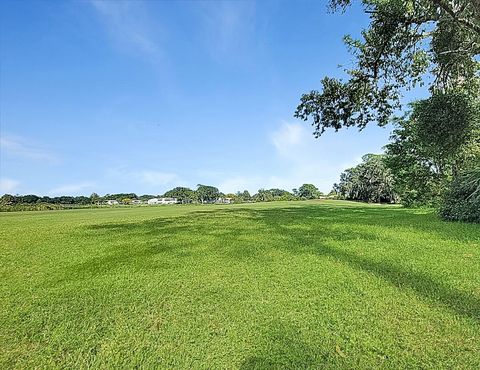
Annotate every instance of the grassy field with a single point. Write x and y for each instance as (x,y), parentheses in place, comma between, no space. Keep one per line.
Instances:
(281,285)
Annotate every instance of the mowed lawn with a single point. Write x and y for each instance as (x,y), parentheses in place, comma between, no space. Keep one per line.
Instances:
(320,284)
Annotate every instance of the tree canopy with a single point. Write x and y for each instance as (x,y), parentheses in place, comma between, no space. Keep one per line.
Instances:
(437,139)
(269,195)
(206,193)
(184,195)
(462,200)
(308,191)
(370,181)
(406,43)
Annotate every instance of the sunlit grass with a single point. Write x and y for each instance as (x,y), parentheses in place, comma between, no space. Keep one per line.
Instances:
(279,285)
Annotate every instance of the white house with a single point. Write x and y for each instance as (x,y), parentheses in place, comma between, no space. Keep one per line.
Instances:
(162,201)
(225,200)
(136,201)
(112,202)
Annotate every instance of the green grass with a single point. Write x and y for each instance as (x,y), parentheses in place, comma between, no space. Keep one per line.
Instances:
(282,285)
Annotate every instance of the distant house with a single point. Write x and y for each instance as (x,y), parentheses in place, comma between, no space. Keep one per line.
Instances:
(112,202)
(136,201)
(225,200)
(162,201)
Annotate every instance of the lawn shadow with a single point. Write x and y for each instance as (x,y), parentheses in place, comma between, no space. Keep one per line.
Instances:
(310,229)
(283,348)
(425,286)
(161,243)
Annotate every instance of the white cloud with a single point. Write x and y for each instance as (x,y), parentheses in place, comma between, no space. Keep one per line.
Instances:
(289,136)
(128,25)
(304,159)
(309,160)
(72,189)
(25,148)
(8,185)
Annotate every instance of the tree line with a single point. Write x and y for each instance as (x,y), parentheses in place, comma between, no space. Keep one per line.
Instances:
(202,194)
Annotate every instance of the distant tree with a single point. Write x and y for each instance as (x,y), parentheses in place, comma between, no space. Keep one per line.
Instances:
(45,199)
(183,195)
(118,197)
(30,198)
(82,200)
(276,193)
(308,191)
(65,199)
(145,197)
(94,198)
(370,181)
(245,196)
(333,194)
(206,193)
(280,194)
(8,200)
(263,196)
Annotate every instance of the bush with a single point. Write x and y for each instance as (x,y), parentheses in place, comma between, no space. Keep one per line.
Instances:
(462,201)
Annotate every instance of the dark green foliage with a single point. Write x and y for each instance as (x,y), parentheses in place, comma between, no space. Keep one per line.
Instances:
(183,195)
(120,196)
(7,200)
(145,197)
(418,180)
(445,123)
(270,195)
(429,145)
(308,191)
(243,196)
(207,194)
(462,200)
(94,198)
(263,196)
(370,181)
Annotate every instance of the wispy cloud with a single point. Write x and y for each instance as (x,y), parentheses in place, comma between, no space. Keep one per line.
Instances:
(303,159)
(25,148)
(8,185)
(128,25)
(229,26)
(289,137)
(72,189)
(307,160)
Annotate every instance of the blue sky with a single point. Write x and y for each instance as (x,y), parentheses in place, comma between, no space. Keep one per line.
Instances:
(140,97)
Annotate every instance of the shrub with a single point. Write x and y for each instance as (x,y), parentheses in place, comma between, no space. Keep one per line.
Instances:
(462,201)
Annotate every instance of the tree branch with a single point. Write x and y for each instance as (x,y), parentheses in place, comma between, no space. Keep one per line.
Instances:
(463,21)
